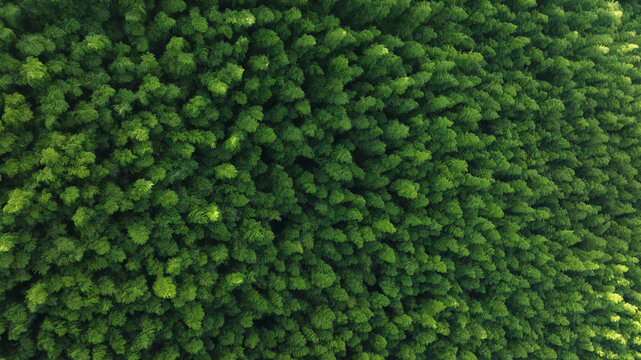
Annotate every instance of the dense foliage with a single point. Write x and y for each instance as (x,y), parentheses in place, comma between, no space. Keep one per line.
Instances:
(357,179)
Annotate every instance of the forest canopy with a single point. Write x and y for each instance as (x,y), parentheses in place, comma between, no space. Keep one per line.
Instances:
(320,179)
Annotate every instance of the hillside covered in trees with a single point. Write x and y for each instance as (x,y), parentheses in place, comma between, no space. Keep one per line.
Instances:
(320,179)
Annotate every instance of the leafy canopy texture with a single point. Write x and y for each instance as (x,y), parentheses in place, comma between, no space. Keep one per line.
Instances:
(320,179)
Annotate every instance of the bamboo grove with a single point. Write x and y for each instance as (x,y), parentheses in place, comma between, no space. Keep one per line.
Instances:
(320,179)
